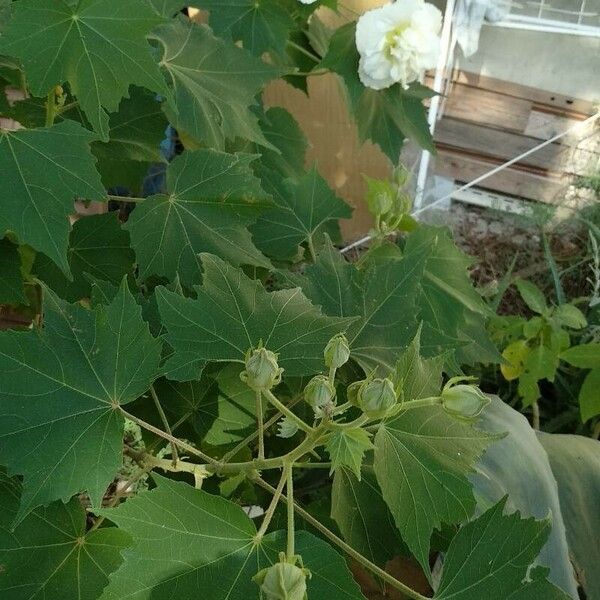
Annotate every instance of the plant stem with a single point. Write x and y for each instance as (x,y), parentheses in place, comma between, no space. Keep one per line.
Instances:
(283,409)
(316,73)
(357,556)
(125,198)
(359,422)
(261,425)
(289,471)
(535,417)
(247,440)
(303,51)
(311,248)
(271,510)
(183,445)
(165,422)
(315,465)
(67,107)
(50,108)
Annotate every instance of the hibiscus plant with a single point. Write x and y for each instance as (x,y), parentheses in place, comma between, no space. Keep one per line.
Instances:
(200,396)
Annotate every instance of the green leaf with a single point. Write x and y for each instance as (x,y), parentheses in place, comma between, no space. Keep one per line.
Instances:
(61,400)
(418,377)
(50,555)
(575,462)
(304,210)
(167,8)
(584,356)
(233,313)
(212,550)
(385,117)
(11,280)
(347,447)
(422,460)
(221,408)
(283,133)
(44,171)
(98,247)
(532,296)
(451,309)
(570,316)
(490,558)
(260,26)
(381,295)
(99,57)
(211,198)
(540,363)
(215,84)
(589,396)
(363,517)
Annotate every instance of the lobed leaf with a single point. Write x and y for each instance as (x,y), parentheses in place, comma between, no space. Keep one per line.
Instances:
(347,447)
(422,460)
(99,57)
(211,198)
(50,554)
(232,314)
(61,389)
(43,172)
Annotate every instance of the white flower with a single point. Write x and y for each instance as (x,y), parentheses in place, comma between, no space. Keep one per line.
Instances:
(397,42)
(308,1)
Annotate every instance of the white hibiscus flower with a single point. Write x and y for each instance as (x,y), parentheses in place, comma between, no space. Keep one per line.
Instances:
(397,42)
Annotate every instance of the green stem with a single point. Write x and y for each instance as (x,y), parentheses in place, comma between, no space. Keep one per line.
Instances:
(535,418)
(316,73)
(357,556)
(67,107)
(311,249)
(284,410)
(290,550)
(359,422)
(261,425)
(170,438)
(50,108)
(272,506)
(125,198)
(315,465)
(250,438)
(165,422)
(303,51)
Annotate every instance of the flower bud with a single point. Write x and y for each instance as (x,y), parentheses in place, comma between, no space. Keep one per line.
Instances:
(262,371)
(282,581)
(401,175)
(376,397)
(352,392)
(337,351)
(380,196)
(319,392)
(464,401)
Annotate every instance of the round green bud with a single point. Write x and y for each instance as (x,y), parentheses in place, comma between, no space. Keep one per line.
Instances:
(352,392)
(380,196)
(401,175)
(282,581)
(337,351)
(319,392)
(376,397)
(262,371)
(464,401)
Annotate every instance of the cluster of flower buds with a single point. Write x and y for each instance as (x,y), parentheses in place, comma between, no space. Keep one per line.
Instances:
(374,396)
(283,580)
(262,371)
(462,400)
(387,202)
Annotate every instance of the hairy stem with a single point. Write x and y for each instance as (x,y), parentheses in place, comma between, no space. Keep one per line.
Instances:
(250,438)
(535,417)
(357,556)
(283,409)
(165,422)
(272,506)
(311,248)
(261,425)
(303,51)
(125,198)
(50,108)
(290,550)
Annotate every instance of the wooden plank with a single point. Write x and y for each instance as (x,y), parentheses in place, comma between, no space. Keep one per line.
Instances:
(511,181)
(563,104)
(495,144)
(487,108)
